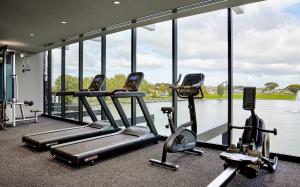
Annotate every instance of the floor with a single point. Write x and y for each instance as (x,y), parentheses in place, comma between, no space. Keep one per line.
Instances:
(20,166)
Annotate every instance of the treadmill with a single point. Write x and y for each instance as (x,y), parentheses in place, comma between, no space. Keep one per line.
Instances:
(88,150)
(43,140)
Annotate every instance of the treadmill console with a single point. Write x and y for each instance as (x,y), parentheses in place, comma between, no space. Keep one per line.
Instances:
(133,81)
(191,84)
(249,98)
(97,83)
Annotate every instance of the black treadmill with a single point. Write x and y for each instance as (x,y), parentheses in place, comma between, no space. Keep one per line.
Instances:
(43,140)
(91,149)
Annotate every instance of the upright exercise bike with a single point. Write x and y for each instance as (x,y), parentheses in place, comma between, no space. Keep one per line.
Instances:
(252,152)
(182,139)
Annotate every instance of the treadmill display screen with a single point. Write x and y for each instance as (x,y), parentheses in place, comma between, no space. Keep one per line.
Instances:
(133,81)
(97,83)
(249,98)
(134,78)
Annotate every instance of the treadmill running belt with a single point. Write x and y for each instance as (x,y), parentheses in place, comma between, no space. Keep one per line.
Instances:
(95,144)
(64,134)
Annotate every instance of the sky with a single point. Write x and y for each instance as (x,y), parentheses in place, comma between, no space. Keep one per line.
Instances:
(266,47)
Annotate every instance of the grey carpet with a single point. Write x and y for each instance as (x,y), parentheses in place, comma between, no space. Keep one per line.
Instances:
(20,166)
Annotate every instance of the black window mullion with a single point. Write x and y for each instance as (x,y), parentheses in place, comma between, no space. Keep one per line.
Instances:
(80,80)
(63,81)
(133,69)
(103,68)
(174,66)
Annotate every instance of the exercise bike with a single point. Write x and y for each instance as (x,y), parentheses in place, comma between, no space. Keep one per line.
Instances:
(182,139)
(253,149)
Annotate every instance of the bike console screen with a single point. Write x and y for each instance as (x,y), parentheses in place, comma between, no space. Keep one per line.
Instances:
(133,81)
(191,84)
(97,83)
(249,98)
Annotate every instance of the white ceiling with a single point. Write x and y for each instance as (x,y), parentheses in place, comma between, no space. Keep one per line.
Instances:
(19,18)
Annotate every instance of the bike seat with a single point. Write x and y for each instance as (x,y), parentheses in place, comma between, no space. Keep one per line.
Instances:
(167,110)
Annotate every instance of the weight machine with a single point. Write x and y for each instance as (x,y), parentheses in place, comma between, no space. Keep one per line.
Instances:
(9,91)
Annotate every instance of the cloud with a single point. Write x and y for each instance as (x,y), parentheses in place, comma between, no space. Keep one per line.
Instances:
(266,43)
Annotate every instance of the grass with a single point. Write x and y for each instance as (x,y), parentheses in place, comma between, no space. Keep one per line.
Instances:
(261,96)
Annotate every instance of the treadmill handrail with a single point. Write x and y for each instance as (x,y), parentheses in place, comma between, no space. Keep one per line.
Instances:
(128,94)
(89,93)
(64,93)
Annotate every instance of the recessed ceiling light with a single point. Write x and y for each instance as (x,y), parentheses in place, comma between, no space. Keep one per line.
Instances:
(117,2)
(31,34)
(63,22)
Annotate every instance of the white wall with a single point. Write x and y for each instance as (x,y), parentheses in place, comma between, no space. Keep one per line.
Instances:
(30,83)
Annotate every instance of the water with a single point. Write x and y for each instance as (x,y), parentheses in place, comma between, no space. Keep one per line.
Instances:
(278,114)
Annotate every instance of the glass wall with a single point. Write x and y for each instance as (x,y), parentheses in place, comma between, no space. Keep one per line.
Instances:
(202,48)
(56,81)
(71,80)
(91,67)
(266,56)
(154,59)
(118,66)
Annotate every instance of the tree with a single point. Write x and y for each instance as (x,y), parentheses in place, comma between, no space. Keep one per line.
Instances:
(270,86)
(293,88)
(221,89)
(71,84)
(116,82)
(204,90)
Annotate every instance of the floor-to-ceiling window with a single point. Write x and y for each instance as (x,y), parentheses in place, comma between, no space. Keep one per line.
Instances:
(71,80)
(91,67)
(266,55)
(118,65)
(202,48)
(56,81)
(154,59)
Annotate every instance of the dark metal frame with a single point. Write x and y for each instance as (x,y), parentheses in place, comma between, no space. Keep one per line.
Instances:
(80,80)
(133,69)
(103,68)
(174,67)
(63,81)
(230,77)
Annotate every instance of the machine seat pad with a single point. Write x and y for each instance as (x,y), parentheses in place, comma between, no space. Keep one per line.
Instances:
(167,109)
(239,158)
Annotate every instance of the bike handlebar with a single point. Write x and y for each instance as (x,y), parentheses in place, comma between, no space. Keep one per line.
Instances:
(274,131)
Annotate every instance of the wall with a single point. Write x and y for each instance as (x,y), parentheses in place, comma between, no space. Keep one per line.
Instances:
(30,83)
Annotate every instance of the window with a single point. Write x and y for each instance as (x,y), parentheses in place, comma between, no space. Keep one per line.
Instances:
(154,59)
(202,48)
(266,56)
(91,67)
(56,81)
(118,64)
(71,80)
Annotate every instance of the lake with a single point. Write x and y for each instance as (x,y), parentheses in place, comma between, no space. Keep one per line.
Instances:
(281,114)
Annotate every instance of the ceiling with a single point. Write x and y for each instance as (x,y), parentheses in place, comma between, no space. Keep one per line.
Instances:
(42,18)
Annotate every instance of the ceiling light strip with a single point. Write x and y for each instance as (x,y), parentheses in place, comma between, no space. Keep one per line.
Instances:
(140,20)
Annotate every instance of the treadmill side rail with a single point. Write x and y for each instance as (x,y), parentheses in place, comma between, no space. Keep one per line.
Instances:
(224,178)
